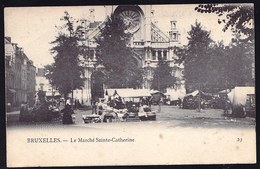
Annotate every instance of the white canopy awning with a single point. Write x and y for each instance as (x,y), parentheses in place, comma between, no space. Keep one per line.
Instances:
(50,94)
(175,95)
(238,94)
(192,94)
(224,91)
(128,92)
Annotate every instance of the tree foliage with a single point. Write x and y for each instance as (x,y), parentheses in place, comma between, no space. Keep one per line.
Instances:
(121,69)
(65,72)
(197,54)
(213,66)
(239,17)
(239,63)
(163,78)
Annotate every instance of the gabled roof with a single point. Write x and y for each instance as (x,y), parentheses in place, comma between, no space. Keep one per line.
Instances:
(157,35)
(94,24)
(7,41)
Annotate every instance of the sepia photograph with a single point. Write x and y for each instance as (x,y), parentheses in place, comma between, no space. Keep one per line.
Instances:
(127,85)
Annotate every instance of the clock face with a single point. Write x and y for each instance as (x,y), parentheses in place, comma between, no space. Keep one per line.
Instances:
(131,19)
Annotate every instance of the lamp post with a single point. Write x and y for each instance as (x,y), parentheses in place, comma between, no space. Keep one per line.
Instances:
(52,92)
(88,80)
(199,99)
(82,96)
(149,73)
(82,88)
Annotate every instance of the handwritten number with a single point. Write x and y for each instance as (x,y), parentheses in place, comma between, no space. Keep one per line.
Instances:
(239,139)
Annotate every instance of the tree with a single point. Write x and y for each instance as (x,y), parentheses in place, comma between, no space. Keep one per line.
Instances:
(65,73)
(213,66)
(217,68)
(240,59)
(121,69)
(163,78)
(196,56)
(240,17)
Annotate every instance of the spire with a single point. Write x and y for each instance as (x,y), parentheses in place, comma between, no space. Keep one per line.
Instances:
(91,15)
(173,24)
(152,16)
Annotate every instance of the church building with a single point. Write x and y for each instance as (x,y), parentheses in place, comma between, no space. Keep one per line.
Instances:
(148,42)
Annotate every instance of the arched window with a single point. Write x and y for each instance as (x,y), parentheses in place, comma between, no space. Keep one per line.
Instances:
(153,55)
(164,55)
(159,55)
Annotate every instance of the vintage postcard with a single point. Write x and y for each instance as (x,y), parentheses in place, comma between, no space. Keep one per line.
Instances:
(118,85)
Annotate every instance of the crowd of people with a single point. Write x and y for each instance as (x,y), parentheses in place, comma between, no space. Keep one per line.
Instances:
(98,105)
(120,108)
(115,106)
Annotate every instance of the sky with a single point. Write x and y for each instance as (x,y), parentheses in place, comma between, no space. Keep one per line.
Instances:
(33,28)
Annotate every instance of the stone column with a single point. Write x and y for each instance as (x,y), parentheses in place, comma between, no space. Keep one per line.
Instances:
(145,55)
(149,53)
(148,23)
(94,55)
(170,53)
(156,54)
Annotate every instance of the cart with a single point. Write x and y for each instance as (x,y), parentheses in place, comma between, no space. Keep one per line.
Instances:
(93,118)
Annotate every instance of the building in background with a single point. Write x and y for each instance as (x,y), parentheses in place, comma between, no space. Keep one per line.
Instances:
(31,81)
(10,91)
(148,42)
(43,84)
(19,75)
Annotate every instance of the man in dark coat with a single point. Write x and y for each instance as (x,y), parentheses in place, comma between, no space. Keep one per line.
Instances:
(67,118)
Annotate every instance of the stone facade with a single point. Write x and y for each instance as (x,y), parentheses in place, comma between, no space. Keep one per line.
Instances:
(9,71)
(19,75)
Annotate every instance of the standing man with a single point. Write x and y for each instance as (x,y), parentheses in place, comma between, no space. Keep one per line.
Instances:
(179,102)
(227,106)
(67,112)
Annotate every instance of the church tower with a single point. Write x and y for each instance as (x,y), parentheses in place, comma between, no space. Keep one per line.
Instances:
(174,33)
